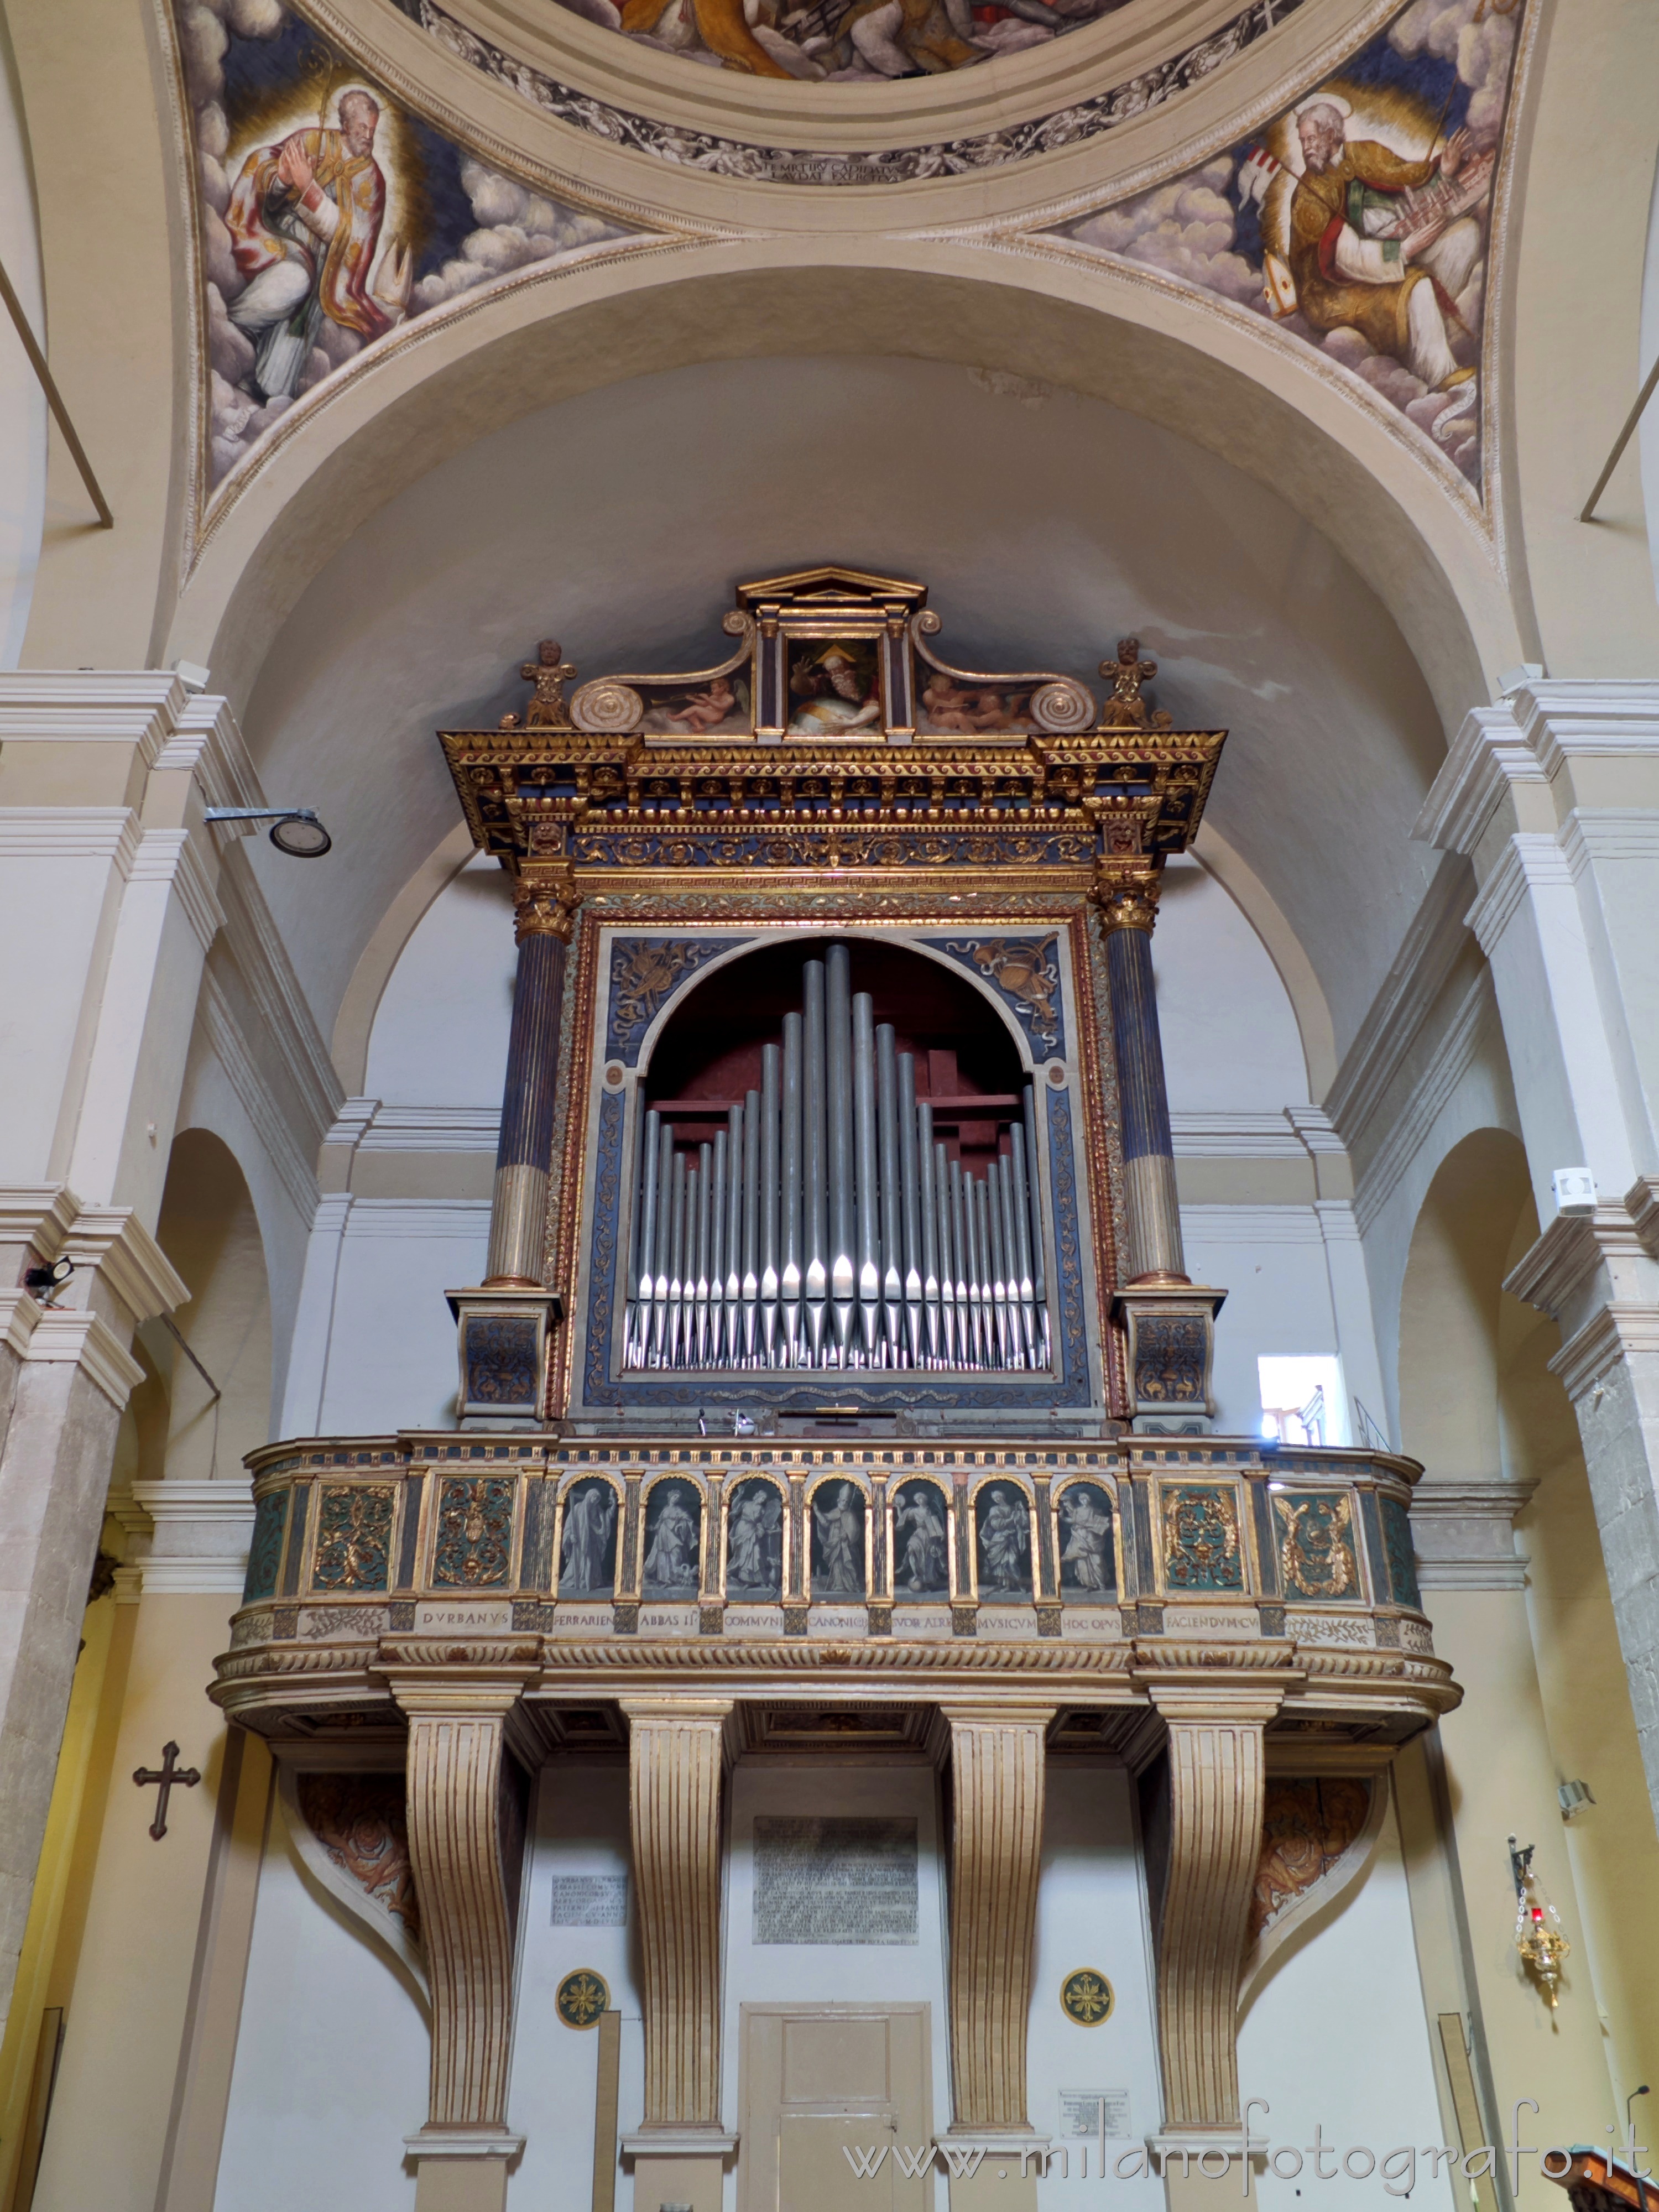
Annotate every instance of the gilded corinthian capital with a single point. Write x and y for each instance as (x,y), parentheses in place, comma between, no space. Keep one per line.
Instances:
(544,906)
(1128,904)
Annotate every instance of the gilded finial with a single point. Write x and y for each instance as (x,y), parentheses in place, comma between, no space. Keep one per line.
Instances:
(550,674)
(1125,709)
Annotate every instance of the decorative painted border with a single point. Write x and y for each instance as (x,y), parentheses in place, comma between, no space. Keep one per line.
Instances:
(774,165)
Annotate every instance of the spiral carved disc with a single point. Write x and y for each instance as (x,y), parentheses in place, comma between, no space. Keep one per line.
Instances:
(1063,704)
(604,704)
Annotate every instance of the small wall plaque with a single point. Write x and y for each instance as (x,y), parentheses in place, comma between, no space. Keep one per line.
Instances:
(1085,1996)
(583,1995)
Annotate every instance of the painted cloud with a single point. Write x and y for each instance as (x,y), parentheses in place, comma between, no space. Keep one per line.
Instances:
(329,216)
(1358,221)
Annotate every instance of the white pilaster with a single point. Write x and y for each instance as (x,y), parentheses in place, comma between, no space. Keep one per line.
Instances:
(1554,796)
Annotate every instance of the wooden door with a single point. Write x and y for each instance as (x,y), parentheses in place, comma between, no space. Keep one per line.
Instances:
(820,2082)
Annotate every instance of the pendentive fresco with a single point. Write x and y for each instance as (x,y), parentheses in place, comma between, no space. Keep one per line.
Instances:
(1358,220)
(329,216)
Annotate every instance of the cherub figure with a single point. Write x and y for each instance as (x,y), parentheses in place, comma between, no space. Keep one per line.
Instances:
(705,710)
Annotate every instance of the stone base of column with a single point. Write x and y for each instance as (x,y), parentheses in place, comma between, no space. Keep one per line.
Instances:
(679,2167)
(1200,2169)
(502,1340)
(1172,1332)
(1006,2178)
(462,2169)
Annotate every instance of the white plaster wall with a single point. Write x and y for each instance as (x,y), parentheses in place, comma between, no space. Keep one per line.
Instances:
(1231,1042)
(1091,1912)
(838,1973)
(578,1826)
(1270,1261)
(1648,433)
(441,1030)
(22,404)
(1338,2036)
(330,2071)
(392,1343)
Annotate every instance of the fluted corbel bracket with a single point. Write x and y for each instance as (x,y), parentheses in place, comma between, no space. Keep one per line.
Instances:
(677,1760)
(1217,1768)
(463,1831)
(996,1853)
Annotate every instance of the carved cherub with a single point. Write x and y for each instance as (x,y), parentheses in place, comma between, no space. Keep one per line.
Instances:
(550,674)
(1125,709)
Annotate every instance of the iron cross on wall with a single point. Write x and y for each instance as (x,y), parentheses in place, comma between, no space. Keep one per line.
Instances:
(168,1775)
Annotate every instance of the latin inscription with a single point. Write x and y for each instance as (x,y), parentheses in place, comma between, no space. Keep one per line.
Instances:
(590,1900)
(821,1879)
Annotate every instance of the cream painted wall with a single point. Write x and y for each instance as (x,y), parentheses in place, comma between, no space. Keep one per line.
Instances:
(126,2009)
(22,402)
(1091,1912)
(609,522)
(330,2070)
(1231,1042)
(440,1033)
(1335,2036)
(578,1825)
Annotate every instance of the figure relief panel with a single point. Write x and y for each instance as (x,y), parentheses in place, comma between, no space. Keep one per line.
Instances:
(329,216)
(1358,221)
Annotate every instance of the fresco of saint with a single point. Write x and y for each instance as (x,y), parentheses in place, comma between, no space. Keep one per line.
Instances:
(304,219)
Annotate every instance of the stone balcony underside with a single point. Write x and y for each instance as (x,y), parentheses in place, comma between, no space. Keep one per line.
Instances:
(1143,1561)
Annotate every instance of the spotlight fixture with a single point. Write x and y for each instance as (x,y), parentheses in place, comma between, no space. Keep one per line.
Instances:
(49,1280)
(294,830)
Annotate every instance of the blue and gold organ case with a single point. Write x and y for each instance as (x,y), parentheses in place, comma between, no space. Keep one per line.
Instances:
(837,1353)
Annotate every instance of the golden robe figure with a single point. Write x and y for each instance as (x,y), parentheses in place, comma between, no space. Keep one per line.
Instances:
(304,219)
(1349,273)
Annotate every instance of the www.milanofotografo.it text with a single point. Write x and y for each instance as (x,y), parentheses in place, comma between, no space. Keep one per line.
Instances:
(1398,2169)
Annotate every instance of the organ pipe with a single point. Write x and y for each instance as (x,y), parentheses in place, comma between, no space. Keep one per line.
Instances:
(825,1224)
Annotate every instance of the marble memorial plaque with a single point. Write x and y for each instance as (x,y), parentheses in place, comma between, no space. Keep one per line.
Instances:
(590,1900)
(823,1880)
(1093,2112)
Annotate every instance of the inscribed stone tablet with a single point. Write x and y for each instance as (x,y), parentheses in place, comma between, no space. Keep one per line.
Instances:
(590,1900)
(818,1880)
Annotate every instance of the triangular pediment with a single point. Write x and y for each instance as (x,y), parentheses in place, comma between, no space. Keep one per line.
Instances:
(834,583)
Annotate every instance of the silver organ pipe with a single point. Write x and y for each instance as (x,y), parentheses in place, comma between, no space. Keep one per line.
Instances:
(790,1249)
(891,1241)
(867,1201)
(928,1207)
(838,1025)
(816,1148)
(735,1155)
(825,1224)
(770,1085)
(750,1221)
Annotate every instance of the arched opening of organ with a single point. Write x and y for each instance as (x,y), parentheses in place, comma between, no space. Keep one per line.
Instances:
(836,1165)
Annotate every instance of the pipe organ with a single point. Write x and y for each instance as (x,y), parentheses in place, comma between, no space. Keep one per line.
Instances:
(836,1333)
(825,1225)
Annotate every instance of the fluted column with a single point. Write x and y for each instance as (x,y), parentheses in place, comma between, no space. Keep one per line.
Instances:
(996,1852)
(677,1757)
(1153,1213)
(545,915)
(458,1842)
(1216,1770)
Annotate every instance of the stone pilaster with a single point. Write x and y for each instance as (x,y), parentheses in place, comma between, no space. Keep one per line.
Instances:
(678,1752)
(462,1841)
(1217,1768)
(72,1374)
(1554,796)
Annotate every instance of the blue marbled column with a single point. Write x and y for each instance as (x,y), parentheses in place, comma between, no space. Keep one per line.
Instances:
(1155,1252)
(519,1210)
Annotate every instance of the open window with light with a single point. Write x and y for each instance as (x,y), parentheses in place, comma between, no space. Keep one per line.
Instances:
(1303,1399)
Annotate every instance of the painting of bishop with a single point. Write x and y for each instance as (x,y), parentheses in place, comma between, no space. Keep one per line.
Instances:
(305,220)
